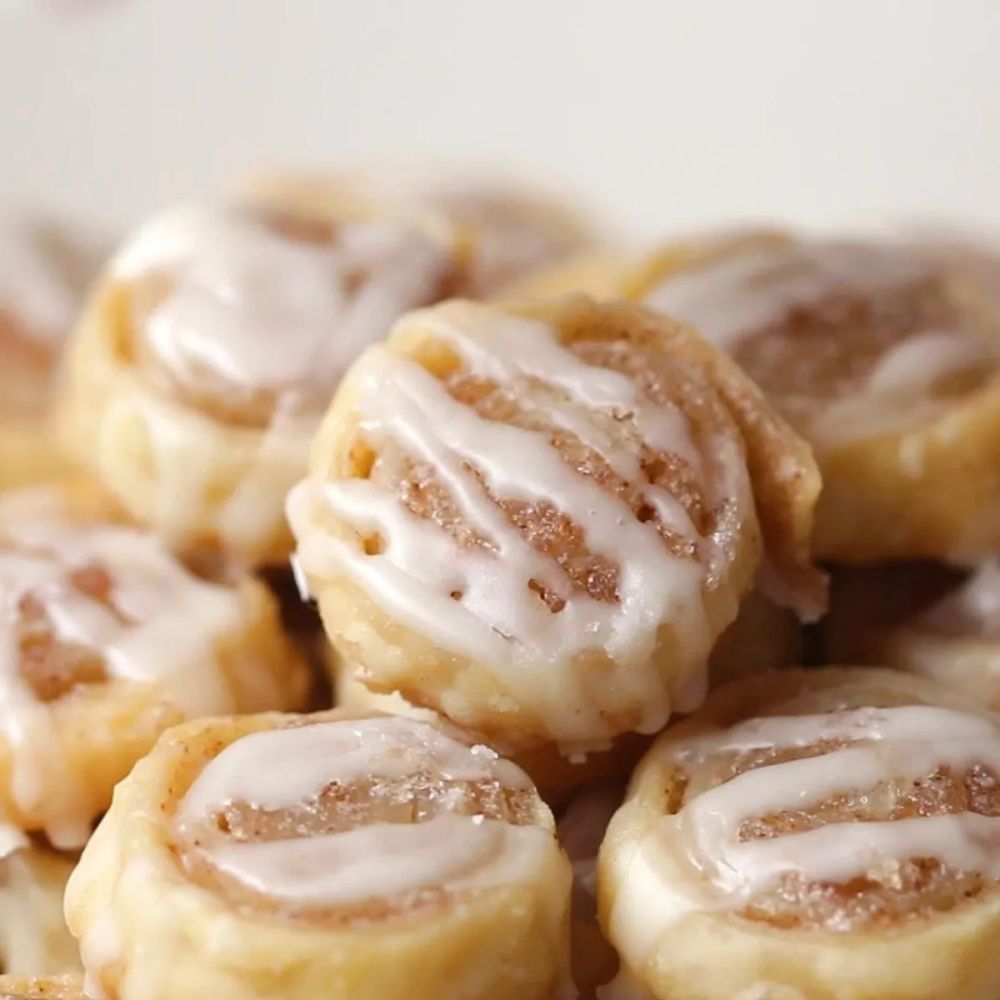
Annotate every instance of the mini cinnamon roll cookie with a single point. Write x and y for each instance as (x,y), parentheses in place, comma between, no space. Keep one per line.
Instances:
(537,519)
(824,833)
(34,938)
(923,619)
(44,268)
(333,855)
(212,346)
(885,359)
(41,988)
(106,639)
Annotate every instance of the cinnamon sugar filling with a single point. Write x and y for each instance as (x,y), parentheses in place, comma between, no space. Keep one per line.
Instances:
(828,350)
(53,667)
(340,808)
(887,894)
(527,404)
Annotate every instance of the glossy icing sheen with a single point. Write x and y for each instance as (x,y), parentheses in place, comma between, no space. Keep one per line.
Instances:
(243,326)
(259,309)
(159,626)
(711,866)
(497,619)
(284,768)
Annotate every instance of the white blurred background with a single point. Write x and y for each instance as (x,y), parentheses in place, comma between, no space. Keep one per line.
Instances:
(666,112)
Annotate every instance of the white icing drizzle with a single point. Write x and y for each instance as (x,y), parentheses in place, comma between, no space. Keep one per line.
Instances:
(34,290)
(897,391)
(965,842)
(383,859)
(743,292)
(259,309)
(696,860)
(915,364)
(301,581)
(162,630)
(714,818)
(505,347)
(871,724)
(282,768)
(247,309)
(497,619)
(388,748)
